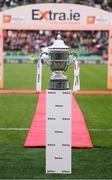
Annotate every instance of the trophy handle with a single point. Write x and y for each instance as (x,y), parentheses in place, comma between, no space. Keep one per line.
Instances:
(44,57)
(73,56)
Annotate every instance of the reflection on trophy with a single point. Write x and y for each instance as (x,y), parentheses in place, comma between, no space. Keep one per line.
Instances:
(59,57)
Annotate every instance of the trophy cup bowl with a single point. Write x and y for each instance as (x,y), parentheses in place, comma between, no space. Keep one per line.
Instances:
(58,61)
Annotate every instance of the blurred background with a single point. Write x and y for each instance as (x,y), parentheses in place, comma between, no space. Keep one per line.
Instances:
(92,46)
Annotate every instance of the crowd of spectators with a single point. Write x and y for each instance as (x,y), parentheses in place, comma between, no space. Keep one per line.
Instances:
(103,4)
(30,42)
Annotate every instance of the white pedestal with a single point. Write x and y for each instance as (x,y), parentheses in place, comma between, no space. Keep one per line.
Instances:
(58,131)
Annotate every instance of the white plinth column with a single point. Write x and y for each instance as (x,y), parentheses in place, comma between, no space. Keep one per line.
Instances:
(58,131)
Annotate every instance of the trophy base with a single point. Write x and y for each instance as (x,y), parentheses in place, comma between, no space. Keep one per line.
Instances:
(58,84)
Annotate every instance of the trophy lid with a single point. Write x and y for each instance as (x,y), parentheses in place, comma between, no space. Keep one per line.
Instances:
(59,44)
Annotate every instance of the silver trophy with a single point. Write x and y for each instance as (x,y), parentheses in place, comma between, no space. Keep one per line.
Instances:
(58,57)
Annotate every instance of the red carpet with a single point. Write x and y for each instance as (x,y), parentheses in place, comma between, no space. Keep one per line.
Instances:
(36,135)
(92,92)
(80,134)
(18,91)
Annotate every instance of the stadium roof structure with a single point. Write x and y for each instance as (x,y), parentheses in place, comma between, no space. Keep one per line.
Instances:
(56,17)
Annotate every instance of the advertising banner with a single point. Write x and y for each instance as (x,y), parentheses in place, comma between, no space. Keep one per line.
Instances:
(56,17)
(110,61)
(39,76)
(1,58)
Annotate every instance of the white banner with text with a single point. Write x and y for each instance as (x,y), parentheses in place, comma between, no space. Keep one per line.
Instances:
(58,131)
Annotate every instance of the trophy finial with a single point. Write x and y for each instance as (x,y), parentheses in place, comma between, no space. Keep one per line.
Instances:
(59,36)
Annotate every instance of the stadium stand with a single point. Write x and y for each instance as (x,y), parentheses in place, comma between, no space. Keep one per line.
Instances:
(26,43)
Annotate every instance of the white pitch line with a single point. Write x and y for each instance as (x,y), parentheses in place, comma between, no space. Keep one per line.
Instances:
(26,129)
(14,129)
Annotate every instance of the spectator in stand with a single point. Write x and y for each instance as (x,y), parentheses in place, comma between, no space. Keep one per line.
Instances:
(8,3)
(32,2)
(1,4)
(91,3)
(105,5)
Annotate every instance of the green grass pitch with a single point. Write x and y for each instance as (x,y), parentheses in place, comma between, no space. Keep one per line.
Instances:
(16,111)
